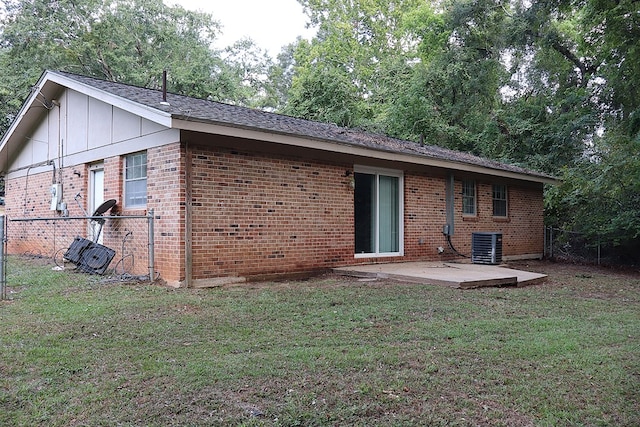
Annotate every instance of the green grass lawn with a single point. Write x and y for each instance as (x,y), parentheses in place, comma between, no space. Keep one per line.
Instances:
(328,351)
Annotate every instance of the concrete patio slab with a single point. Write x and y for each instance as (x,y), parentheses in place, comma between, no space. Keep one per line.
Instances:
(457,275)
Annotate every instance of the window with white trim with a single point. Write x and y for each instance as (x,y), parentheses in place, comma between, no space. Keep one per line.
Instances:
(499,200)
(135,180)
(378,210)
(469,198)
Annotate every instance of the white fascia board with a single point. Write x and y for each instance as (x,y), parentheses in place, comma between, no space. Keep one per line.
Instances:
(49,78)
(342,148)
(35,92)
(158,116)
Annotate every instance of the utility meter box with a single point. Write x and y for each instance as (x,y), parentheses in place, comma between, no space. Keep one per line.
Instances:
(56,196)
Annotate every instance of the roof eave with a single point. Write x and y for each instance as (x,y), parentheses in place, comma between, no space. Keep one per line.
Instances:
(49,84)
(19,122)
(338,147)
(153,114)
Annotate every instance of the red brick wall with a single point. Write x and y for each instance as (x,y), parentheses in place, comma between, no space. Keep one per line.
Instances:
(522,230)
(133,233)
(30,197)
(166,196)
(257,215)
(424,216)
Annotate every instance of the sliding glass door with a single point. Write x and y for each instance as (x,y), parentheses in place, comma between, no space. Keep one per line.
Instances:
(378,212)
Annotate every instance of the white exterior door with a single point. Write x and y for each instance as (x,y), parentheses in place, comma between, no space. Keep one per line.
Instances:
(96,198)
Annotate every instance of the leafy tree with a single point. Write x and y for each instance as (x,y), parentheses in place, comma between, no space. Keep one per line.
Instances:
(246,68)
(600,197)
(409,68)
(130,41)
(458,74)
(279,77)
(323,92)
(349,67)
(600,193)
(550,85)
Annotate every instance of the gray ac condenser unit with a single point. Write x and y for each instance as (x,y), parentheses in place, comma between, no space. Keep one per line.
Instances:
(486,248)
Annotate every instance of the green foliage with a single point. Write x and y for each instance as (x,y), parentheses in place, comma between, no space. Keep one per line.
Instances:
(243,70)
(600,197)
(323,92)
(548,85)
(279,77)
(611,31)
(130,41)
(426,26)
(541,132)
(315,96)
(354,59)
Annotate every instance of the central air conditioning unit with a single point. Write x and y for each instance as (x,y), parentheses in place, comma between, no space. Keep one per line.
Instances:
(486,248)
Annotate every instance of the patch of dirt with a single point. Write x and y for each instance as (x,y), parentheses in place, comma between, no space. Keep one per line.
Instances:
(40,260)
(552,268)
(558,273)
(589,281)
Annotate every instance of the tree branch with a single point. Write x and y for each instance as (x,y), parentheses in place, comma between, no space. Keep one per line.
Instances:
(585,69)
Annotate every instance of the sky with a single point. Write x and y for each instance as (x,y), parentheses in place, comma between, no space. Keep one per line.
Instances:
(270,23)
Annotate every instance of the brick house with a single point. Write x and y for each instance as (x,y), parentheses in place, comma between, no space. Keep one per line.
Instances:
(241,193)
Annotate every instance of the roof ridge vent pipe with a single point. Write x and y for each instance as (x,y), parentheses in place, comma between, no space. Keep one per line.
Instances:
(164,89)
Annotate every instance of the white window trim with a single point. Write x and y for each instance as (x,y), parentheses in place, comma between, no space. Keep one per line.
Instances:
(92,169)
(475,199)
(92,203)
(400,175)
(124,182)
(506,201)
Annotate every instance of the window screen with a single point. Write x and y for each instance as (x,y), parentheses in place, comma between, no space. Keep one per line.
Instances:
(500,200)
(135,180)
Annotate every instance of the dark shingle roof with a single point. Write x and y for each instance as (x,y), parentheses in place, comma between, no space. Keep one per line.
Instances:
(201,110)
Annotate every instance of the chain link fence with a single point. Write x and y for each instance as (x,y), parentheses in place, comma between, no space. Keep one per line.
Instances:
(570,246)
(112,246)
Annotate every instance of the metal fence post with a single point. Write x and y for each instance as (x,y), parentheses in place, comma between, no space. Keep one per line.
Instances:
(3,260)
(151,249)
